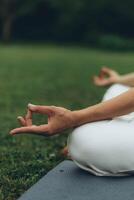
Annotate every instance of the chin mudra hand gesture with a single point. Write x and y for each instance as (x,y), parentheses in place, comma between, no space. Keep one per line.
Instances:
(59,119)
(106,77)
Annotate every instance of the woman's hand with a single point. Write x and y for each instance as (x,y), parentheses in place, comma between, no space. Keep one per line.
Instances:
(59,119)
(106,77)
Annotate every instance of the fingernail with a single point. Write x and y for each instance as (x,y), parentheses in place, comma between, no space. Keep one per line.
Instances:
(19,117)
(31,105)
(11,132)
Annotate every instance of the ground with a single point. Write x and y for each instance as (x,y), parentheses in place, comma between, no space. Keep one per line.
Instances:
(47,75)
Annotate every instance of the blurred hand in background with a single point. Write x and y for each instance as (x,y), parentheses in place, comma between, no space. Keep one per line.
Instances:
(106,77)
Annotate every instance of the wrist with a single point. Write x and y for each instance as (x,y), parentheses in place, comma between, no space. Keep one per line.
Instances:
(87,115)
(79,117)
(118,79)
(75,117)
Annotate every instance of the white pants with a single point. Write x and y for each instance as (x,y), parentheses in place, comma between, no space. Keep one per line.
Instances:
(105,148)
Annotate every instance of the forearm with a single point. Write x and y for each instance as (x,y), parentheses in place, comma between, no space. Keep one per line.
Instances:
(121,105)
(127,79)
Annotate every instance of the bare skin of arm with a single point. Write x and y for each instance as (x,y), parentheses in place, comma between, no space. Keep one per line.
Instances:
(108,76)
(60,118)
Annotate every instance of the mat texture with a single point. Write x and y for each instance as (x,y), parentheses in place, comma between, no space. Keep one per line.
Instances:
(68,182)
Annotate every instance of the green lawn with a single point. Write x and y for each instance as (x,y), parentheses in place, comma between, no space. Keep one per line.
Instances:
(43,75)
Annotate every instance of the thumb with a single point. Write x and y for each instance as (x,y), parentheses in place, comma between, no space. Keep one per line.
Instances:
(48,110)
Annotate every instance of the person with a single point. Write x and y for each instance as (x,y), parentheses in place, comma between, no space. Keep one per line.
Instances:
(102,141)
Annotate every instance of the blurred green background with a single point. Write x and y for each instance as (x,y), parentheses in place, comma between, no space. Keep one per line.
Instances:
(46,75)
(49,51)
(105,23)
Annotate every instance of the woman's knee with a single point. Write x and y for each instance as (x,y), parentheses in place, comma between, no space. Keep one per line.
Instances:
(81,140)
(115,90)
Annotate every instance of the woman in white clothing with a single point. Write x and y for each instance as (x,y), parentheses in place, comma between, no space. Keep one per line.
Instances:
(104,147)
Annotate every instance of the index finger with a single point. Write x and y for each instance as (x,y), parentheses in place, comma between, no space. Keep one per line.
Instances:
(28,118)
(42,129)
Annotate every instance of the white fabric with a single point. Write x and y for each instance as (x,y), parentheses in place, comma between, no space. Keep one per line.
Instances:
(105,148)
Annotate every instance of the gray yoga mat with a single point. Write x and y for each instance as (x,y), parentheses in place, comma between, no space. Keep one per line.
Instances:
(68,182)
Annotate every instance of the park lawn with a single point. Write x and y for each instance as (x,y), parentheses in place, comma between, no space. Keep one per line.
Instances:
(49,75)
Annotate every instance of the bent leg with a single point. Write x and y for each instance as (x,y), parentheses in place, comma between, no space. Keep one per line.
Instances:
(98,147)
(114,91)
(103,148)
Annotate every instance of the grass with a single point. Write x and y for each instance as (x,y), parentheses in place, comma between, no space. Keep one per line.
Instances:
(48,75)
